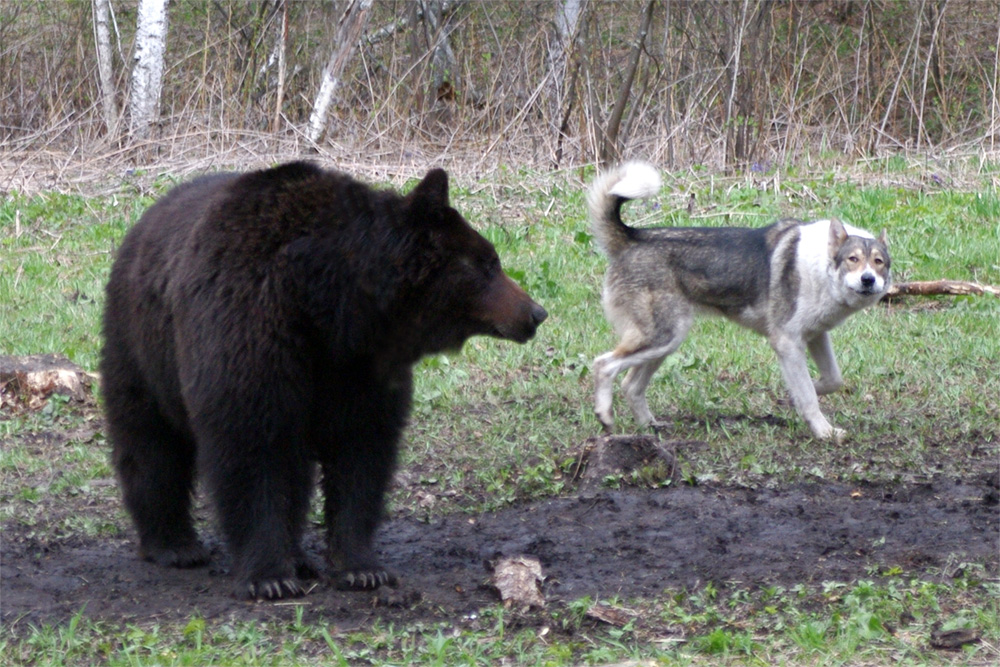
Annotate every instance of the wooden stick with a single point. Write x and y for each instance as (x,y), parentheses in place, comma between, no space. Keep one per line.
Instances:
(939,287)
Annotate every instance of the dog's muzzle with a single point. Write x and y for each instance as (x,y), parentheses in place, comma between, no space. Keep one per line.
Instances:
(869,284)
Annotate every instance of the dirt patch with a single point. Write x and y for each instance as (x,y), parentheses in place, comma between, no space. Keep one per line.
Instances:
(71,549)
(601,543)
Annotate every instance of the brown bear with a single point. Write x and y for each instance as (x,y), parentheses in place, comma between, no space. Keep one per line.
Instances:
(257,324)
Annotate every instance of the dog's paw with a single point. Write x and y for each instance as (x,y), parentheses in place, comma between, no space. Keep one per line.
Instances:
(824,431)
(824,386)
(659,427)
(836,436)
(607,422)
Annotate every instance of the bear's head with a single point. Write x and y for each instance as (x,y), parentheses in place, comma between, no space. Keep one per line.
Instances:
(465,291)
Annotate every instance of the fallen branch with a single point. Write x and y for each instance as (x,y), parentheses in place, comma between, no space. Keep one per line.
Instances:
(939,287)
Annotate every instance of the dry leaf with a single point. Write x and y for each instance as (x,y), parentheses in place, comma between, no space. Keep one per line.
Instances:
(518,579)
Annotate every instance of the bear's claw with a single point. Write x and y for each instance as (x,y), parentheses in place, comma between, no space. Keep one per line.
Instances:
(274,589)
(365,580)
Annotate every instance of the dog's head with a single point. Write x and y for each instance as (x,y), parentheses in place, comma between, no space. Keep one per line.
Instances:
(860,261)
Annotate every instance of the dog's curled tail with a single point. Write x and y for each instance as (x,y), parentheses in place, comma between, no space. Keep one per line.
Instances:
(632,180)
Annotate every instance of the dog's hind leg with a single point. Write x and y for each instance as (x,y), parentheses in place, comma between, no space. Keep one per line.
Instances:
(641,365)
(641,357)
(606,368)
(634,387)
(821,350)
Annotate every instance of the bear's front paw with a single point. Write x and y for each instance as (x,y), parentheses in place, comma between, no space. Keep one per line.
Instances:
(270,589)
(190,554)
(365,580)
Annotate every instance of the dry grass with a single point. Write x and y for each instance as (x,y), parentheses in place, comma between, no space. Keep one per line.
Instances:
(742,89)
(100,169)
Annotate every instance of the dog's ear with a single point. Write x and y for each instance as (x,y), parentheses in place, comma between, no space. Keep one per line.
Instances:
(837,236)
(883,238)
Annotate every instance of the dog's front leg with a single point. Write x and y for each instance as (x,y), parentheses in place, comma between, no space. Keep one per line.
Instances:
(821,350)
(792,356)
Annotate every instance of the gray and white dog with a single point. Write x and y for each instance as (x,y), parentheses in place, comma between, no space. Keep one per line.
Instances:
(790,281)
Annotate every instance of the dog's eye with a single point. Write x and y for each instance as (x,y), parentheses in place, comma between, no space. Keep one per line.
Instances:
(853,259)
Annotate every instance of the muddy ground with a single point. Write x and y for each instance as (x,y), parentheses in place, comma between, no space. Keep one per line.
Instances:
(599,542)
(61,552)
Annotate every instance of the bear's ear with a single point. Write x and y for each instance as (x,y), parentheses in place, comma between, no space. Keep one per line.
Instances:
(432,192)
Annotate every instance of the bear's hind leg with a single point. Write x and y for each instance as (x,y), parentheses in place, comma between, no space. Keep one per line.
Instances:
(155,467)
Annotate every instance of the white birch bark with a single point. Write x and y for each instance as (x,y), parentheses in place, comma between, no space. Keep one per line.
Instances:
(109,107)
(351,25)
(567,18)
(279,46)
(147,70)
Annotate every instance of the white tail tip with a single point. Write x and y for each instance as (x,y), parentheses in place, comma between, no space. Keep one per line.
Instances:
(636,180)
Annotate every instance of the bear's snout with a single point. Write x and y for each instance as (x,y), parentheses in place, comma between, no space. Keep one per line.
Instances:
(523,328)
(537,316)
(509,311)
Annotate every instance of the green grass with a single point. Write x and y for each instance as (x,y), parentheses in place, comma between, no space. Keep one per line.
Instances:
(501,423)
(55,254)
(831,623)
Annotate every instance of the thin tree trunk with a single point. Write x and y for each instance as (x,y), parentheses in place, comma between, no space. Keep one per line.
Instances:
(609,147)
(566,21)
(147,72)
(914,43)
(938,15)
(280,48)
(109,107)
(351,25)
(443,63)
(995,89)
(733,66)
(562,93)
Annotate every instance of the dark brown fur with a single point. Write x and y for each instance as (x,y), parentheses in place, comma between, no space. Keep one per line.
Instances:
(257,324)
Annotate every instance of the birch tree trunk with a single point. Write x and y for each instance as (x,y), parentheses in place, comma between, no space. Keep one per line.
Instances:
(279,47)
(351,25)
(562,93)
(147,71)
(567,18)
(109,107)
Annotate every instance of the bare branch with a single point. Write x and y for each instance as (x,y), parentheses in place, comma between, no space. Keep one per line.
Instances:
(609,148)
